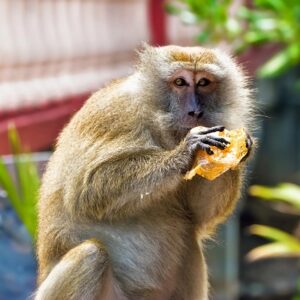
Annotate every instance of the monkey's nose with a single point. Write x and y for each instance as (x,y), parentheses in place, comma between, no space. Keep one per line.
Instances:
(196,114)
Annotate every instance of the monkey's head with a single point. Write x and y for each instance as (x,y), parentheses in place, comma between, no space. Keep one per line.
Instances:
(200,87)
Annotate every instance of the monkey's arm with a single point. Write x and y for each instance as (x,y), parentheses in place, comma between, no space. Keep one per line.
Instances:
(113,179)
(212,201)
(125,181)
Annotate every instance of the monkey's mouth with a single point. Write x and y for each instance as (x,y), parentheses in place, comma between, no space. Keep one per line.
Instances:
(190,122)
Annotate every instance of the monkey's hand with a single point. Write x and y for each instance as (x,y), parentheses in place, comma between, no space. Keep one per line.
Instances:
(201,138)
(249,144)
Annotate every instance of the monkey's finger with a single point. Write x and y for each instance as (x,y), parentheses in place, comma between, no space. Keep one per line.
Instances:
(209,151)
(213,129)
(213,142)
(246,156)
(206,148)
(249,142)
(218,139)
(202,146)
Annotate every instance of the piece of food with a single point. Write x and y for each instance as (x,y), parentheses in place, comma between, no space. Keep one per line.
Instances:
(212,166)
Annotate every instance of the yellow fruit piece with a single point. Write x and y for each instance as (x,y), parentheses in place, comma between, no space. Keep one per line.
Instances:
(212,166)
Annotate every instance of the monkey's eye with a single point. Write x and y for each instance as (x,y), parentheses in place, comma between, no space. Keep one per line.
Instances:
(204,82)
(180,82)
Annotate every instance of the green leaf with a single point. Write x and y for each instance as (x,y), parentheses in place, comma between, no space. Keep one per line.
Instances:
(287,192)
(8,185)
(188,17)
(233,26)
(244,13)
(21,192)
(203,37)
(297,297)
(14,139)
(297,85)
(255,37)
(250,15)
(172,9)
(276,65)
(281,61)
(276,5)
(272,250)
(284,245)
(266,24)
(275,235)
(29,184)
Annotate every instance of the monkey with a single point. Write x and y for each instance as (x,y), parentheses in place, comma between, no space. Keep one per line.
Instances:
(117,221)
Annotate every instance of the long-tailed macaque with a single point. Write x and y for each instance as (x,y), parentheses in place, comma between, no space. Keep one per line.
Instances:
(117,221)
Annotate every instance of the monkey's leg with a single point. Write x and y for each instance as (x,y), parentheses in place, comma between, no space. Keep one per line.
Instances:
(193,282)
(82,274)
(212,201)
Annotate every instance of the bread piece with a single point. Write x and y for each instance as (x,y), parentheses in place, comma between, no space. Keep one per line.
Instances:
(212,166)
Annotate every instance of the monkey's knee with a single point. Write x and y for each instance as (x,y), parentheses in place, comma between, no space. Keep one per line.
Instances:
(80,274)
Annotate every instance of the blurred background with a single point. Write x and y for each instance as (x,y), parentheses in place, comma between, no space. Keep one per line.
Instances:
(54,54)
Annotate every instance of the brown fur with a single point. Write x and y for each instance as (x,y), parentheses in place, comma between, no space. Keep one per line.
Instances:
(202,56)
(116,219)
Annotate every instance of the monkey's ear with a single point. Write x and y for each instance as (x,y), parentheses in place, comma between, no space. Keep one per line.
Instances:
(145,49)
(145,45)
(146,54)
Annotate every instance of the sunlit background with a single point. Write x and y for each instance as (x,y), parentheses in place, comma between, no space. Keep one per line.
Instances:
(54,54)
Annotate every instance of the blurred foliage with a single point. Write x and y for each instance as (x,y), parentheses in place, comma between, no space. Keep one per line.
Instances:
(297,297)
(284,244)
(211,16)
(22,190)
(286,192)
(266,21)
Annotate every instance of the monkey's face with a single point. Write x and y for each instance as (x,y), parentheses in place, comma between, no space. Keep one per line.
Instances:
(196,86)
(195,95)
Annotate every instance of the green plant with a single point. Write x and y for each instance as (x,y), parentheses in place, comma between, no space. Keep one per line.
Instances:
(211,16)
(274,22)
(283,244)
(297,297)
(22,190)
(267,21)
(286,192)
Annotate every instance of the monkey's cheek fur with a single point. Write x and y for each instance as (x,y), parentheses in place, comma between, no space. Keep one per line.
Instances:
(212,166)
